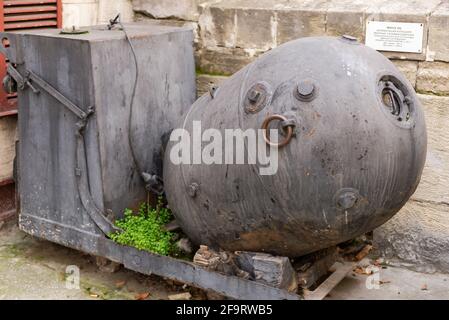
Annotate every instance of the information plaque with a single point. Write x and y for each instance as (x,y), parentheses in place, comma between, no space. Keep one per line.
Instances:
(394,36)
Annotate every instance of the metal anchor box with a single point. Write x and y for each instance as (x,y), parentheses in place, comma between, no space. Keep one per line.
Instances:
(76,168)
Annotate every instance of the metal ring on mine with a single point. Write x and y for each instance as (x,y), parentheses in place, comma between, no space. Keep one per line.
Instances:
(266,123)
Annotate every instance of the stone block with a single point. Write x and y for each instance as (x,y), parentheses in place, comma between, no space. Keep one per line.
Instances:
(223,61)
(242,24)
(438,44)
(205,81)
(408,68)
(8,134)
(271,270)
(435,179)
(79,13)
(417,237)
(433,77)
(260,25)
(301,19)
(347,17)
(141,18)
(108,9)
(162,9)
(218,27)
(256,29)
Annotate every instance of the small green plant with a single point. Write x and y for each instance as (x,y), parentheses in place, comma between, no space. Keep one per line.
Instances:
(145,229)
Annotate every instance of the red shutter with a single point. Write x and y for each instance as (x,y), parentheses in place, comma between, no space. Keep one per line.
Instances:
(19,15)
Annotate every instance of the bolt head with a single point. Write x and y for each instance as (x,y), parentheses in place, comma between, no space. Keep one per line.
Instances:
(257,97)
(254,95)
(347,200)
(305,90)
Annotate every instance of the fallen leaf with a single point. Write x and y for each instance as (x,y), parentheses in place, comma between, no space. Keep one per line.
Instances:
(142,296)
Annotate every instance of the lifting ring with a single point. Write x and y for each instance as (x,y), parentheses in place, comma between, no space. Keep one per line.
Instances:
(287,129)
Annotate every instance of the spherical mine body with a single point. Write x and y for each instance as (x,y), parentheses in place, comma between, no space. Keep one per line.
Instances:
(355,156)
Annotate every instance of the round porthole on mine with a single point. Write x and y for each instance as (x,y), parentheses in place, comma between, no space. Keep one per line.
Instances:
(396,100)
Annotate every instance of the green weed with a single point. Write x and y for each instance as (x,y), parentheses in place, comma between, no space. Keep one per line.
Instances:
(145,230)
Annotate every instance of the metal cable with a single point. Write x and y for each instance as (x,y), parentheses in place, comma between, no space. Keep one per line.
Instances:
(153,182)
(131,107)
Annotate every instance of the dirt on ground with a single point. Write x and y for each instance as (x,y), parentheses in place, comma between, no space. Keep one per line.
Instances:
(31,268)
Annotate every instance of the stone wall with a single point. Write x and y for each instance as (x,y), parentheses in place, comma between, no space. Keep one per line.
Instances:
(79,13)
(92,12)
(232,33)
(168,9)
(8,130)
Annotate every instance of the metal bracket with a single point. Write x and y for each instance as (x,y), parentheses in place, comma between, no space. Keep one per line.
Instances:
(31,78)
(16,76)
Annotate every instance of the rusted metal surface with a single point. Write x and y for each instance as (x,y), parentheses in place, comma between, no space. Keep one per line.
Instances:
(27,17)
(28,9)
(352,163)
(10,3)
(31,24)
